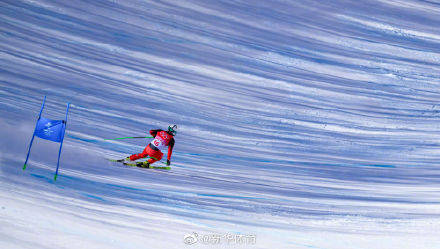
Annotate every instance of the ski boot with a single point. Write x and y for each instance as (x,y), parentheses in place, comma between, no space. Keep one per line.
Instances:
(143,164)
(127,159)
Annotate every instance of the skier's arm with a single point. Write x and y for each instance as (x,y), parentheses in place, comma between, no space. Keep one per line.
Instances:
(170,150)
(154,132)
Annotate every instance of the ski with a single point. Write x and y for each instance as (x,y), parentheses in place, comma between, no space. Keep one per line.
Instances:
(151,167)
(134,164)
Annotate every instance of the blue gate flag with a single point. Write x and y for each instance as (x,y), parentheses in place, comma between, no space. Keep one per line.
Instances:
(50,129)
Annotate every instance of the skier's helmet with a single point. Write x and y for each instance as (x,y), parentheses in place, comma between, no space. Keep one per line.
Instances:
(172,129)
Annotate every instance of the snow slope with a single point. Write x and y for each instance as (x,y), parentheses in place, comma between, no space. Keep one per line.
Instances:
(307,124)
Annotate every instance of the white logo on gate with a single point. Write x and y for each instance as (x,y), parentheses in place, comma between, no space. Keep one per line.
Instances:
(48,131)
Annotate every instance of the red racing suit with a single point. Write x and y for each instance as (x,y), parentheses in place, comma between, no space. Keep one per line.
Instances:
(161,140)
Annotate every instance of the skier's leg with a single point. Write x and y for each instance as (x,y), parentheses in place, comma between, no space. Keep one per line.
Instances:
(155,155)
(135,157)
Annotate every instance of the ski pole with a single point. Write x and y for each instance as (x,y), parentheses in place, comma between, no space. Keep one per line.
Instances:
(124,138)
(157,160)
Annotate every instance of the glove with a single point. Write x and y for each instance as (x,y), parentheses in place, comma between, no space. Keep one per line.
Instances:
(168,162)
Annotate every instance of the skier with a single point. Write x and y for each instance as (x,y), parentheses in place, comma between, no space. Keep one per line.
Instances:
(161,140)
